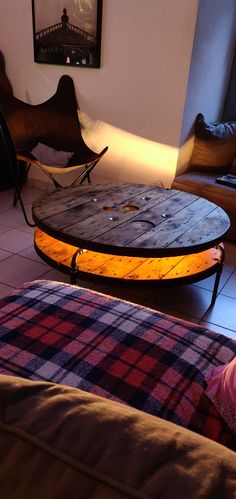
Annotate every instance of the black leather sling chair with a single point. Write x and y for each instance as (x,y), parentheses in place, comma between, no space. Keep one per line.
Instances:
(50,128)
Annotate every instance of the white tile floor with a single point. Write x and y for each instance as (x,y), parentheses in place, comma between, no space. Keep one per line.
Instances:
(19,263)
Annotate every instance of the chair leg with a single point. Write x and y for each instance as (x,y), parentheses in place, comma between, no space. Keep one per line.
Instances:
(218,276)
(215,289)
(24,212)
(85,174)
(18,184)
(55,182)
(73,275)
(88,169)
(17,191)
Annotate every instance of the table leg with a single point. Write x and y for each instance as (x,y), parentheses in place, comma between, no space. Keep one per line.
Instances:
(73,272)
(218,275)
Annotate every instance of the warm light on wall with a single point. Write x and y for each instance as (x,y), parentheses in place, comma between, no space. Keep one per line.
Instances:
(131,157)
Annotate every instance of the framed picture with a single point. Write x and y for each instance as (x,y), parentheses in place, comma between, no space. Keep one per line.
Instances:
(67,32)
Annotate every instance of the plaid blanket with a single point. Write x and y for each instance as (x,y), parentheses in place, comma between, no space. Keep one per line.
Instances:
(56,332)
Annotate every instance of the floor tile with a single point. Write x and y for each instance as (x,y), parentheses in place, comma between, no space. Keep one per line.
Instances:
(188,300)
(5,201)
(17,270)
(223,313)
(82,283)
(12,218)
(32,255)
(5,290)
(26,228)
(55,275)
(4,254)
(29,194)
(15,240)
(210,281)
(116,290)
(3,228)
(171,312)
(219,329)
(134,294)
(230,287)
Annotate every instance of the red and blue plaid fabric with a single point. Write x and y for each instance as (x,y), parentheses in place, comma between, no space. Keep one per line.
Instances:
(115,349)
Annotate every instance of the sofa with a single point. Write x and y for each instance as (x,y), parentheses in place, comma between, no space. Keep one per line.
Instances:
(102,398)
(213,155)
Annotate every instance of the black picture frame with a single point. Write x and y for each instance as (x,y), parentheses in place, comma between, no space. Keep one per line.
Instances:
(57,37)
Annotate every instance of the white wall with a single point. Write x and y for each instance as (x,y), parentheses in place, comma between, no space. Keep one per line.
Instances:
(143,101)
(212,55)
(140,87)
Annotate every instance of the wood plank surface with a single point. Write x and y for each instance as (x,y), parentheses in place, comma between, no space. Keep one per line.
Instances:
(131,219)
(174,227)
(127,268)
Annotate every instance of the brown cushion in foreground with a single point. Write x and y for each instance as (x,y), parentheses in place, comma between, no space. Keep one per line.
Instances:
(59,442)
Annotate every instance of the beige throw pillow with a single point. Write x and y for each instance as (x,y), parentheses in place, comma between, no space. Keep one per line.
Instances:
(214,146)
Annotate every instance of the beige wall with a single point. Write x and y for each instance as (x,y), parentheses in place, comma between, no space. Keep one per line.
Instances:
(135,102)
(140,87)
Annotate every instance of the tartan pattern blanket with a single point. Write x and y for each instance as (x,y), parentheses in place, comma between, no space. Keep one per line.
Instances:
(61,333)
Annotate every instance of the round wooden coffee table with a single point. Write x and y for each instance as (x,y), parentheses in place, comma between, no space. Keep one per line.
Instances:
(131,232)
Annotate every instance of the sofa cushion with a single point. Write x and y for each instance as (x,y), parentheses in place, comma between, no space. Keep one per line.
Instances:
(49,156)
(60,442)
(204,184)
(214,146)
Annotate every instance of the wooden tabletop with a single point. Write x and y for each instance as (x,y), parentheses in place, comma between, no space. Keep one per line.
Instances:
(131,219)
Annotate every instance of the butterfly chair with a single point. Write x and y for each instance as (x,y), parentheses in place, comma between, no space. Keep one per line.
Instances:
(47,129)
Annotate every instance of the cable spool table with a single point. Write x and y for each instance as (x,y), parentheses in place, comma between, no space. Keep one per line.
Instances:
(131,232)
